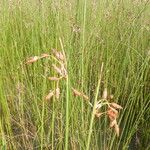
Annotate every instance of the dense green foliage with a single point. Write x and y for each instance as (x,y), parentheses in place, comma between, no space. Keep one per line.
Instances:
(92,33)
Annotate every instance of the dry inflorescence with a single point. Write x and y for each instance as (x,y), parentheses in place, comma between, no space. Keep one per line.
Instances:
(111,110)
(61,71)
(36,58)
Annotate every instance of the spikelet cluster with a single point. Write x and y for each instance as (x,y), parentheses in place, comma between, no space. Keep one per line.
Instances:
(61,71)
(111,111)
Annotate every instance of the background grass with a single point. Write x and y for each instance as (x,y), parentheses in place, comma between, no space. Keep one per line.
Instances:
(115,33)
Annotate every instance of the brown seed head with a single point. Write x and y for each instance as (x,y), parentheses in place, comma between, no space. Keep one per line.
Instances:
(98,106)
(112,114)
(97,113)
(57,93)
(58,55)
(50,95)
(58,70)
(116,106)
(85,96)
(54,78)
(32,59)
(76,93)
(113,123)
(63,70)
(44,55)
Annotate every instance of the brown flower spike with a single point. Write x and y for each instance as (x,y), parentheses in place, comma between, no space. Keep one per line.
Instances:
(57,93)
(58,55)
(77,93)
(54,78)
(50,95)
(113,115)
(32,59)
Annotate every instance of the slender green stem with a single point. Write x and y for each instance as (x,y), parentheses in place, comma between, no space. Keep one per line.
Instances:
(93,114)
(67,100)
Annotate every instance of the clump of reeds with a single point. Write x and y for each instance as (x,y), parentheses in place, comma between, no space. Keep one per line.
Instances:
(60,68)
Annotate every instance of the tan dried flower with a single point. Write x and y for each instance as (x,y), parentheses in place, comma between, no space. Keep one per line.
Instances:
(57,93)
(114,110)
(32,59)
(115,105)
(50,95)
(98,105)
(54,78)
(85,96)
(44,55)
(112,114)
(59,55)
(76,93)
(63,70)
(58,70)
(113,123)
(98,114)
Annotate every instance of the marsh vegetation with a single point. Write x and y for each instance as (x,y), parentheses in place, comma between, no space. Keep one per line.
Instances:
(74,75)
